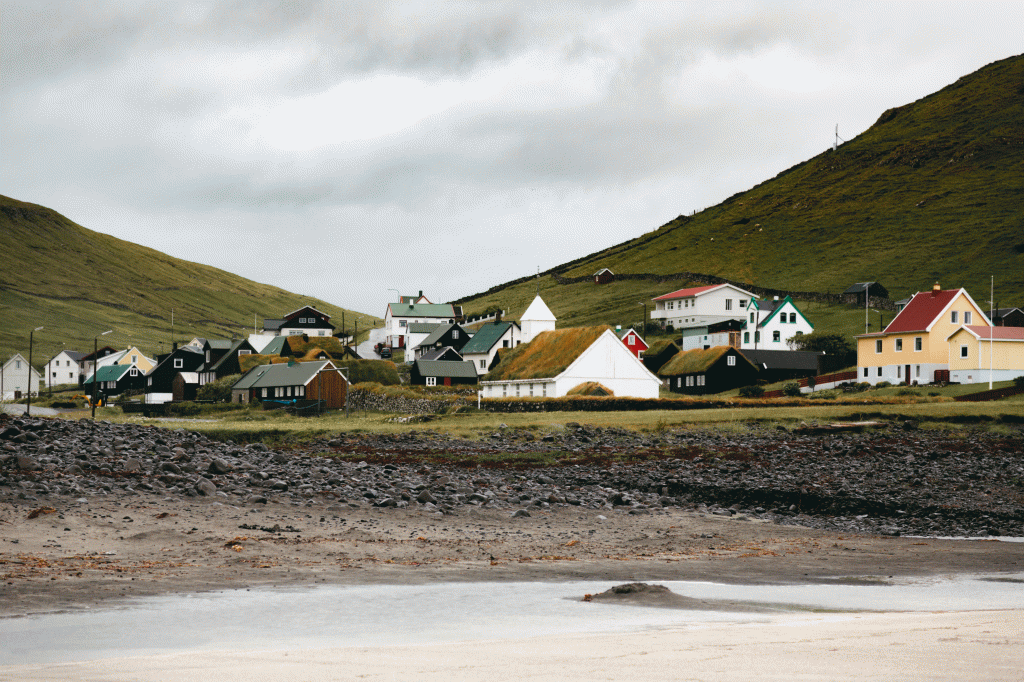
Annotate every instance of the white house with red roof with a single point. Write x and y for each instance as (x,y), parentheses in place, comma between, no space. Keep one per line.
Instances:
(700,306)
(979,354)
(915,346)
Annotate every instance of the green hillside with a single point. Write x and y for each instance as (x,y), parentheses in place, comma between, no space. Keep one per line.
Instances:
(77,283)
(933,191)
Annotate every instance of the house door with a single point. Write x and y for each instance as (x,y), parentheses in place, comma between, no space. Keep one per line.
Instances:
(906,374)
(447,381)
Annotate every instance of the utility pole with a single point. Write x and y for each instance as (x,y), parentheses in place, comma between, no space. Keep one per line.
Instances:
(28,405)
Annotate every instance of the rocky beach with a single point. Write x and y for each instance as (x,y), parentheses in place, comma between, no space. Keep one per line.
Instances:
(95,511)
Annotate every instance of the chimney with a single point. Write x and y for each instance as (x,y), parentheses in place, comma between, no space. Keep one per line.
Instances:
(421,294)
(497,317)
(936,289)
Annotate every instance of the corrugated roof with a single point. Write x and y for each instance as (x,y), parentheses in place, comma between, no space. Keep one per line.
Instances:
(485,338)
(422,327)
(858,287)
(283,374)
(922,311)
(440,310)
(275,346)
(445,368)
(436,335)
(783,359)
(696,360)
(109,373)
(685,293)
(997,333)
(547,355)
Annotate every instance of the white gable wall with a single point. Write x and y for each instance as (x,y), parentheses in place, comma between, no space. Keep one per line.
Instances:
(609,363)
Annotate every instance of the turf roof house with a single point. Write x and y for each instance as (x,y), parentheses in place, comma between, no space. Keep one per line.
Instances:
(659,352)
(915,346)
(977,353)
(442,373)
(698,306)
(704,372)
(771,324)
(160,380)
(482,350)
(557,361)
(292,381)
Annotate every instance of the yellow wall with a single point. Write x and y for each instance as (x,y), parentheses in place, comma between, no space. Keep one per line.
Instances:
(1005,354)
(143,364)
(934,349)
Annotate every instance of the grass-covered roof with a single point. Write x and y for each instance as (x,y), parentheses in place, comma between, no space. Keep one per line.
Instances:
(548,355)
(693,361)
(591,388)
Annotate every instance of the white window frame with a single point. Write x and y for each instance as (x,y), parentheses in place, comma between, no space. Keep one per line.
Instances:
(965,352)
(731,361)
(918,344)
(179,363)
(455,333)
(431,381)
(967,317)
(728,304)
(953,316)
(878,346)
(898,345)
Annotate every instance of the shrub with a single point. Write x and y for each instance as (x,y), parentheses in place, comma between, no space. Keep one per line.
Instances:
(1019,381)
(823,395)
(186,408)
(218,391)
(883,384)
(791,389)
(752,391)
(908,391)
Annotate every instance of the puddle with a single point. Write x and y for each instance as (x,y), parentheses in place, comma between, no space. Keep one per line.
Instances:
(389,615)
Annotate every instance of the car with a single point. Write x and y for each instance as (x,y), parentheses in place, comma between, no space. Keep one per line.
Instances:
(385,352)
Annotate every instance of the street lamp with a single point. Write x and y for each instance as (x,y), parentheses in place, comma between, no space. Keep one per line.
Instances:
(28,405)
(96,368)
(643,321)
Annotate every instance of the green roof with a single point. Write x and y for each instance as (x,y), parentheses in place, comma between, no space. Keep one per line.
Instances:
(422,327)
(485,338)
(275,346)
(548,355)
(439,331)
(283,374)
(422,310)
(109,373)
(445,368)
(231,352)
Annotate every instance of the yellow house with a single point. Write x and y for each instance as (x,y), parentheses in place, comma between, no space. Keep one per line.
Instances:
(914,346)
(133,356)
(976,353)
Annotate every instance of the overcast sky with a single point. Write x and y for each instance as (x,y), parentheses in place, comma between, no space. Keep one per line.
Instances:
(344,149)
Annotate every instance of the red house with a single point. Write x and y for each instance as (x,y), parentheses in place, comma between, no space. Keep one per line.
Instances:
(604,276)
(633,342)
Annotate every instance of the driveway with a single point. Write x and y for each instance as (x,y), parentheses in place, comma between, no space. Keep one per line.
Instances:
(365,349)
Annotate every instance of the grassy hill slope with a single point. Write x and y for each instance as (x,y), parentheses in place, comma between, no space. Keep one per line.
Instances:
(78,283)
(933,191)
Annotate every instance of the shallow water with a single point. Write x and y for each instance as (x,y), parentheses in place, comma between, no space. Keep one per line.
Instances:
(387,615)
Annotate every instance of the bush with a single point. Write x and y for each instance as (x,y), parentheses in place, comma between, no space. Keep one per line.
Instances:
(184,409)
(908,391)
(752,391)
(883,384)
(791,389)
(1018,381)
(218,391)
(823,395)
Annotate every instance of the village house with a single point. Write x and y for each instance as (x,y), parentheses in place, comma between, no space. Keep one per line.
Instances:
(633,342)
(557,361)
(442,373)
(306,320)
(604,276)
(159,382)
(113,380)
(399,316)
(444,335)
(17,378)
(856,292)
(978,354)
(704,372)
(1008,317)
(492,337)
(914,346)
(293,381)
(659,352)
(724,333)
(63,368)
(227,364)
(782,365)
(536,319)
(770,325)
(699,306)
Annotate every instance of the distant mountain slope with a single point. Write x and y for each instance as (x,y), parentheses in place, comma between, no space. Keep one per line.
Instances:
(78,283)
(933,191)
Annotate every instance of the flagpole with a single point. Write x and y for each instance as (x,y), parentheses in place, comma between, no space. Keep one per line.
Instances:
(991,321)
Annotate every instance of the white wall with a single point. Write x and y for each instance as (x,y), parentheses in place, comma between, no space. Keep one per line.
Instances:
(706,308)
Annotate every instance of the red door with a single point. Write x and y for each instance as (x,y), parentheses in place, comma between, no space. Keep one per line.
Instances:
(447,381)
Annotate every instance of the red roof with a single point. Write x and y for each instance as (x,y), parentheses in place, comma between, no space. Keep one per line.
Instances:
(1000,333)
(684,293)
(922,311)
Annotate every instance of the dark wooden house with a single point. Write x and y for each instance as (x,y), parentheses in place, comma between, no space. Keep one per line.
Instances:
(855,292)
(708,371)
(444,335)
(113,380)
(780,365)
(1008,317)
(442,373)
(604,276)
(289,383)
(182,359)
(226,363)
(658,353)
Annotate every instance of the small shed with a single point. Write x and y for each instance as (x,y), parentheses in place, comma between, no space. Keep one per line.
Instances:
(855,292)
(604,276)
(703,372)
(185,386)
(658,353)
(1008,317)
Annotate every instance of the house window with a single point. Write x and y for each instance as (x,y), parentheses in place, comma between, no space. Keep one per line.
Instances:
(967,317)
(455,333)
(300,390)
(483,364)
(878,346)
(751,318)
(746,337)
(244,352)
(728,304)
(743,303)
(431,381)
(630,340)
(17,364)
(531,390)
(757,337)
(899,345)
(504,344)
(952,317)
(917,343)
(504,390)
(517,390)
(264,393)
(401,323)
(679,382)
(133,372)
(899,371)
(71,375)
(963,351)
(178,363)
(323,332)
(671,305)
(731,360)
(776,336)
(135,359)
(792,318)
(865,372)
(879,371)
(917,371)
(544,390)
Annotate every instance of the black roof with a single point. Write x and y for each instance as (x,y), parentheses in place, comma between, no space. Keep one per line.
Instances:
(783,359)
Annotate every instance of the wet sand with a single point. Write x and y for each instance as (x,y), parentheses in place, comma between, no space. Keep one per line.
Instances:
(83,555)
